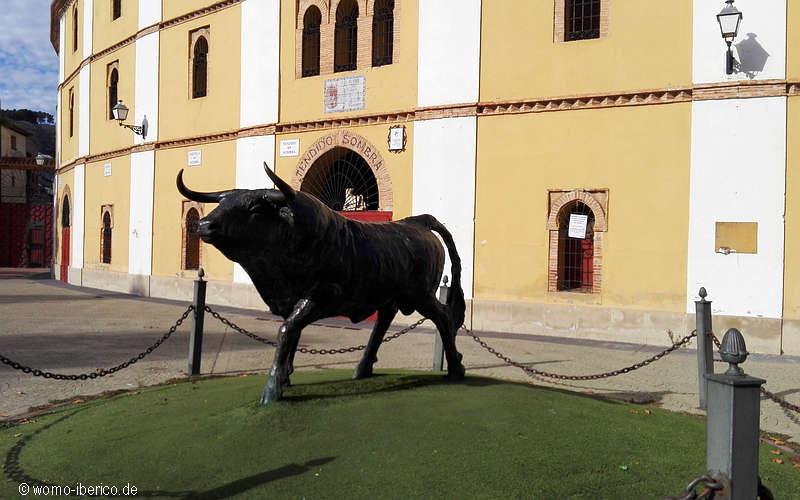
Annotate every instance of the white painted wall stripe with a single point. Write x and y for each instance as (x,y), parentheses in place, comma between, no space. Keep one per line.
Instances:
(140,240)
(260,62)
(146,88)
(83,110)
(760,46)
(251,153)
(443,183)
(78,211)
(88,28)
(61,48)
(149,13)
(738,167)
(449,51)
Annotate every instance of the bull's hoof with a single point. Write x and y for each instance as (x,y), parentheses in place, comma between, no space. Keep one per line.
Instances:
(455,372)
(272,392)
(363,370)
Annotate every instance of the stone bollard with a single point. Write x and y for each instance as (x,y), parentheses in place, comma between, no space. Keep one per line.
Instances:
(732,424)
(438,348)
(705,360)
(196,335)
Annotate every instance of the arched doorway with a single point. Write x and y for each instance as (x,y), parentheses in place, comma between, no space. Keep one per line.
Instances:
(65,225)
(576,251)
(343,180)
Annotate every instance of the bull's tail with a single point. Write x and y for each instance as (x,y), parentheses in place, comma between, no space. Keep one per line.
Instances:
(455,299)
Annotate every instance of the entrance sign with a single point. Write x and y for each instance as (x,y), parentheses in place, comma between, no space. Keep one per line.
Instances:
(344,94)
(195,158)
(397,138)
(107,170)
(290,147)
(577,226)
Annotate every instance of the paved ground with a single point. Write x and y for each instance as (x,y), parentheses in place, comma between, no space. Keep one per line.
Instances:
(64,329)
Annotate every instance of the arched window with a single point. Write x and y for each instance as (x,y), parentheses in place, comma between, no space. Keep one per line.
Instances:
(383,32)
(113,81)
(116,9)
(200,68)
(191,241)
(105,239)
(75,28)
(576,248)
(311,24)
(345,43)
(65,212)
(71,111)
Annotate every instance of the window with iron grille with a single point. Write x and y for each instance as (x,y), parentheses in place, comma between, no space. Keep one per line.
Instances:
(113,82)
(383,32)
(116,9)
(581,19)
(345,43)
(576,254)
(200,68)
(311,30)
(191,240)
(105,242)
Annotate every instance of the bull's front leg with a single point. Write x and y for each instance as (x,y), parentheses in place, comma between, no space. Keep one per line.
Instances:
(304,313)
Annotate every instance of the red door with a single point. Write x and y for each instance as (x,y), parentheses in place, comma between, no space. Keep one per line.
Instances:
(64,253)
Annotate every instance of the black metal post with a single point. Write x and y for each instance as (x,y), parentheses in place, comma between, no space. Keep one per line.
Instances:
(729,61)
(196,335)
(705,353)
(438,347)
(734,400)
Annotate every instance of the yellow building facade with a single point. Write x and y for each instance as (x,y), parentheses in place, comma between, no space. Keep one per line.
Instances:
(596,165)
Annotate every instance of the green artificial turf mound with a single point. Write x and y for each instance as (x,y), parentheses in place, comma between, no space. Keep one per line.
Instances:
(397,435)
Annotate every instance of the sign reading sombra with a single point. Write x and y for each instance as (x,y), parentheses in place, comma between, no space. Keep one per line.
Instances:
(343,138)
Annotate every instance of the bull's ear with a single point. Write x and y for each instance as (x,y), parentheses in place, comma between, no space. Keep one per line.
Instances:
(284,188)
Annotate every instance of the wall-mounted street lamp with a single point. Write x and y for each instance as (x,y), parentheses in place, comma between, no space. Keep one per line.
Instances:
(120,113)
(40,159)
(729,19)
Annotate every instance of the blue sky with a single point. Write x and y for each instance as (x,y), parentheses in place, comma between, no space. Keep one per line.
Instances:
(28,63)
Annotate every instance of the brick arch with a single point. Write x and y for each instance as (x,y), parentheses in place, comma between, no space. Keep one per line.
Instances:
(365,149)
(600,222)
(362,9)
(303,5)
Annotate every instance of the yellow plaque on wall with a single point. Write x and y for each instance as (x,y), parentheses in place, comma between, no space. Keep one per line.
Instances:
(736,237)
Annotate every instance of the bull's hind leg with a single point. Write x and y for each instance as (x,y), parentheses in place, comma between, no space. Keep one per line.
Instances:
(370,357)
(437,312)
(304,313)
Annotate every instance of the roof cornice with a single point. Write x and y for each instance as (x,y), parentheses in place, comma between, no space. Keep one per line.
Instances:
(57,9)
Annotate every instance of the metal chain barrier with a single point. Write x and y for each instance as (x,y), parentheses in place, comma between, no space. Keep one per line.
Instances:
(305,350)
(533,372)
(710,487)
(781,402)
(99,372)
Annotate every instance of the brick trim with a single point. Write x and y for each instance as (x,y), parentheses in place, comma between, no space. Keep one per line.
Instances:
(597,201)
(354,142)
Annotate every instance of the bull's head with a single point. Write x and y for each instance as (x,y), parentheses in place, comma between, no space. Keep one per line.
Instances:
(246,221)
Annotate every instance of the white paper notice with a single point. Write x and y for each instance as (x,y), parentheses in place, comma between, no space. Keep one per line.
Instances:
(577,225)
(195,158)
(290,147)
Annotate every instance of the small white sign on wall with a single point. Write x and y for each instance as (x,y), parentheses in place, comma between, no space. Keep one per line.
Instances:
(195,158)
(107,170)
(577,225)
(290,147)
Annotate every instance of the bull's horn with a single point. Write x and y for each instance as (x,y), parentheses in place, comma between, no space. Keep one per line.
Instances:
(197,196)
(286,189)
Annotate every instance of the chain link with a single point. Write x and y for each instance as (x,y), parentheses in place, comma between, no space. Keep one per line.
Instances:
(781,402)
(533,372)
(99,372)
(710,487)
(304,350)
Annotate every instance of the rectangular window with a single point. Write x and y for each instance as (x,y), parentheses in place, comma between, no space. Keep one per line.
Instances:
(582,19)
(14,142)
(736,237)
(116,9)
